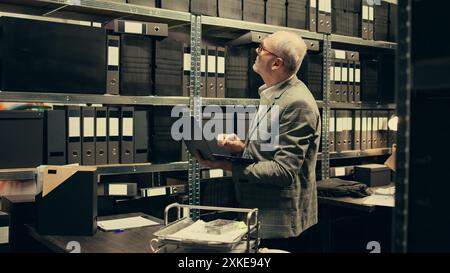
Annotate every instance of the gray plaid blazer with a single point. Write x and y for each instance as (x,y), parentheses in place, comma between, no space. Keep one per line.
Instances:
(282,182)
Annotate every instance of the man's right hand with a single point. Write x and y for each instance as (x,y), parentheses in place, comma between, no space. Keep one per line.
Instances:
(231,141)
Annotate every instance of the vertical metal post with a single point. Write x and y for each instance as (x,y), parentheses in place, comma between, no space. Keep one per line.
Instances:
(325,163)
(403,91)
(195,110)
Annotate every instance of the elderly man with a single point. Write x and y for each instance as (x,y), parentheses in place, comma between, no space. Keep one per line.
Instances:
(282,181)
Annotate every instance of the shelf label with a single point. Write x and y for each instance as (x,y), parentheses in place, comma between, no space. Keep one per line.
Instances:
(127,127)
(101,127)
(88,127)
(74,126)
(214,173)
(340,171)
(117,189)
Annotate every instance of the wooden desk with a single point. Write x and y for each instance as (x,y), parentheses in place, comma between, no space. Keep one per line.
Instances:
(136,240)
(347,224)
(353,202)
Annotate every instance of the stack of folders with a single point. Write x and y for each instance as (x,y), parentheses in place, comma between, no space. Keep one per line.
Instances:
(97,135)
(346,17)
(241,80)
(381,21)
(164,147)
(212,71)
(359,130)
(131,64)
(345,76)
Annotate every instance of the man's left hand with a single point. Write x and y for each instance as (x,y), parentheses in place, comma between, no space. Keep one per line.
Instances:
(219,164)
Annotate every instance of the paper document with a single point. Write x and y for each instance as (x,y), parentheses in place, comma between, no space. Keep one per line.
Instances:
(380,200)
(197,232)
(125,223)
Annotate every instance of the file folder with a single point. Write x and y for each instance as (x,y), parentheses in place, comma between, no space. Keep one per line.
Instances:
(156,30)
(338,58)
(220,72)
(55,137)
(236,77)
(296,13)
(29,57)
(253,11)
(113,135)
(276,12)
(211,73)
(204,7)
(312,15)
(118,189)
(21,139)
(127,135)
(357,87)
(101,134)
(367,21)
(136,65)
(88,135)
(375,140)
(371,23)
(357,126)
(385,129)
(179,5)
(349,129)
(112,76)
(231,9)
(311,73)
(370,80)
(141,136)
(352,57)
(169,68)
(393,15)
(74,154)
(344,81)
(381,21)
(324,16)
(332,132)
(339,131)
(351,81)
(186,70)
(332,95)
(364,130)
(203,72)
(369,130)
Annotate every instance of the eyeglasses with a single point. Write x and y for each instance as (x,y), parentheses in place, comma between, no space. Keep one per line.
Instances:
(261,48)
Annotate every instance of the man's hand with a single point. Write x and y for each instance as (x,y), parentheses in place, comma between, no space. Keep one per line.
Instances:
(231,142)
(219,164)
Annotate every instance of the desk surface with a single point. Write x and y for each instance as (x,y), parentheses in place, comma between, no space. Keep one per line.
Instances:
(136,240)
(353,202)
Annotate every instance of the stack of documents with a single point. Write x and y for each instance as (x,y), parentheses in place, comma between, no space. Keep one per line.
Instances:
(125,223)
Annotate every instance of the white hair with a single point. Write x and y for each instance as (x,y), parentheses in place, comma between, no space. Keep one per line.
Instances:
(292,50)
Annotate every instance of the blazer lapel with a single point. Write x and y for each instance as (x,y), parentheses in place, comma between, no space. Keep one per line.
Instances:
(272,100)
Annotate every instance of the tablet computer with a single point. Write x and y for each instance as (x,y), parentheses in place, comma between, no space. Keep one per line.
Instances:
(206,147)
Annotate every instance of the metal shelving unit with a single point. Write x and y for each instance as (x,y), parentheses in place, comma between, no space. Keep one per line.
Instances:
(103,11)
(364,105)
(360,153)
(91,99)
(360,42)
(224,25)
